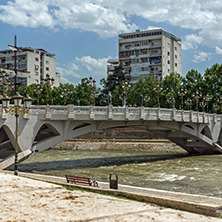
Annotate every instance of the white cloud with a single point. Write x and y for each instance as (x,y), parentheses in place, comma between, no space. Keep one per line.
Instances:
(84,67)
(218,50)
(191,41)
(91,17)
(96,67)
(108,18)
(28,13)
(153,27)
(201,57)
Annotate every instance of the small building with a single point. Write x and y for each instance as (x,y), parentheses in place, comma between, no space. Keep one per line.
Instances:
(32,65)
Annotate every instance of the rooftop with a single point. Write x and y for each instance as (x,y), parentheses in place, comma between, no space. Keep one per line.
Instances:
(146,33)
(24,49)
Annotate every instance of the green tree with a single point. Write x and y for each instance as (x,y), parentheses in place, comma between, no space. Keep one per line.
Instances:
(172,83)
(193,83)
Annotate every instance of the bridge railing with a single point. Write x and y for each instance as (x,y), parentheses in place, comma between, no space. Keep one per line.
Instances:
(118,113)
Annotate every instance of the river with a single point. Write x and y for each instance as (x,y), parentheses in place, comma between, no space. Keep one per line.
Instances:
(173,172)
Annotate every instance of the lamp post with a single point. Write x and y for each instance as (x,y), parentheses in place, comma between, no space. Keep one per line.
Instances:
(207,98)
(65,93)
(171,101)
(4,80)
(197,96)
(38,90)
(188,102)
(91,83)
(125,86)
(16,110)
(216,107)
(158,88)
(146,99)
(220,101)
(182,93)
(48,82)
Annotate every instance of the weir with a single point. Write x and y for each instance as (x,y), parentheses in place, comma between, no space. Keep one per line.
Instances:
(46,126)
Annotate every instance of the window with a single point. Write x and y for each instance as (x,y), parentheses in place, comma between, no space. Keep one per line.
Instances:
(47,68)
(175,48)
(135,60)
(144,42)
(168,44)
(154,52)
(36,67)
(168,61)
(144,59)
(168,53)
(144,68)
(47,62)
(36,59)
(175,64)
(144,51)
(135,69)
(175,56)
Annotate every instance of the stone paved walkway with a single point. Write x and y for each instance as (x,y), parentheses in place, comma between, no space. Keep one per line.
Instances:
(23,199)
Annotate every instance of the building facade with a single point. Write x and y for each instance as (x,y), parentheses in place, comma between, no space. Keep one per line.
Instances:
(153,53)
(32,65)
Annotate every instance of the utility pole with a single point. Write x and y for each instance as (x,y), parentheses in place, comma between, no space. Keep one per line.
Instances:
(15,49)
(15,64)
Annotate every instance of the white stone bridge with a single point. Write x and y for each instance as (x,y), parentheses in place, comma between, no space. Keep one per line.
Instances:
(46,126)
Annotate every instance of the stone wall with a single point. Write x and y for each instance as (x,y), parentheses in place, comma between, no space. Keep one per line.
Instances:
(136,146)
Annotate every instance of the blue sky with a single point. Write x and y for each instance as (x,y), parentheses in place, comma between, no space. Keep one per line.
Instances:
(84,34)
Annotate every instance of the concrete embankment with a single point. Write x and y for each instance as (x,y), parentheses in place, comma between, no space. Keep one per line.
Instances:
(121,144)
(204,205)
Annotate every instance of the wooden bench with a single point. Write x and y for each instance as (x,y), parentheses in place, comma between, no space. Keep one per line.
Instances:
(85,181)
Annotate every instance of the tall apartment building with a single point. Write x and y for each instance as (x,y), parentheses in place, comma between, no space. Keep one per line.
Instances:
(32,65)
(153,53)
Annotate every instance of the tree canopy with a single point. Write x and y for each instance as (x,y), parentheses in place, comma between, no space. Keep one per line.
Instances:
(194,91)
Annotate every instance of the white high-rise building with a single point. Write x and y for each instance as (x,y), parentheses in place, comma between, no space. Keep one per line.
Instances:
(154,53)
(32,65)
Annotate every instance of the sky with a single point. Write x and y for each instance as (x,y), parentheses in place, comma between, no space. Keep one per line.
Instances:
(84,34)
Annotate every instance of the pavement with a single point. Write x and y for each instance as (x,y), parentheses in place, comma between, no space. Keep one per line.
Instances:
(28,197)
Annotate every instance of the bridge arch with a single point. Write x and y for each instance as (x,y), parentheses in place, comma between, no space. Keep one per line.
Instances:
(45,131)
(206,132)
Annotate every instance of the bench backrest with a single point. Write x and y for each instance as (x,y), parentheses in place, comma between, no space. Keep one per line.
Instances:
(78,180)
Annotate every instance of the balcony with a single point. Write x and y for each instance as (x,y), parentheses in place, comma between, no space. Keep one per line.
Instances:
(154,45)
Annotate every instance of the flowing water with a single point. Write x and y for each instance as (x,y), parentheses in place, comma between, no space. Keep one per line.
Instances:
(174,172)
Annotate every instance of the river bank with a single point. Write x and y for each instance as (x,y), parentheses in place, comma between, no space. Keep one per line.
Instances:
(151,145)
(31,200)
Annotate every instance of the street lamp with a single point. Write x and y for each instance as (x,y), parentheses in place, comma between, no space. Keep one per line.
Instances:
(196,96)
(216,107)
(38,90)
(48,82)
(16,110)
(182,93)
(146,99)
(220,101)
(65,93)
(91,83)
(171,101)
(188,102)
(4,80)
(207,98)
(158,88)
(125,86)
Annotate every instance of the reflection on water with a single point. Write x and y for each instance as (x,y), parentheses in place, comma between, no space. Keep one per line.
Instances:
(174,172)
